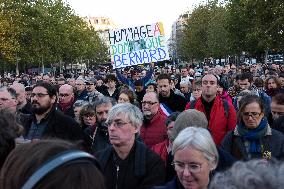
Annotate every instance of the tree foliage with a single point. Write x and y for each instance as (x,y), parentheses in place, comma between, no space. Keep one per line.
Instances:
(219,30)
(46,31)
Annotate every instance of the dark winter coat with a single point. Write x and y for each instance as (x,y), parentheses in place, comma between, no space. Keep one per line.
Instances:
(142,169)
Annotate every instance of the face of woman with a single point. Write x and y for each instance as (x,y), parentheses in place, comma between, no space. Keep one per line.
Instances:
(123,98)
(192,168)
(252,115)
(271,84)
(150,88)
(89,119)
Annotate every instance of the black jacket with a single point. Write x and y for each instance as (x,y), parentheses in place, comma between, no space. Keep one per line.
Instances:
(142,169)
(58,126)
(174,102)
(101,140)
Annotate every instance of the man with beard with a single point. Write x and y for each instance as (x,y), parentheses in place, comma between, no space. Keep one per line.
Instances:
(66,100)
(46,121)
(170,101)
(220,121)
(153,130)
(99,134)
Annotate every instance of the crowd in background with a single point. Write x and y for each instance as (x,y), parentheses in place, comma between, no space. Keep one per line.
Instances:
(144,127)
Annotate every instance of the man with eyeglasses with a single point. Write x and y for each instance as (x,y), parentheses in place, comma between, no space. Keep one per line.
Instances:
(66,100)
(128,163)
(93,94)
(153,130)
(46,121)
(8,99)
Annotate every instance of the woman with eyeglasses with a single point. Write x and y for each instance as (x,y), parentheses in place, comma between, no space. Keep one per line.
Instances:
(87,117)
(253,137)
(195,157)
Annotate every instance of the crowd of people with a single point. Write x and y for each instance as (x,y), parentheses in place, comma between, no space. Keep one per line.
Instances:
(144,127)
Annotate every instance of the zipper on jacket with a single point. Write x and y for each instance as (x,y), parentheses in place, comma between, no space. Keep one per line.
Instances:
(117,171)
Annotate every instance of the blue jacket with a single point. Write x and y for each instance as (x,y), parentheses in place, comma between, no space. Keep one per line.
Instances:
(130,83)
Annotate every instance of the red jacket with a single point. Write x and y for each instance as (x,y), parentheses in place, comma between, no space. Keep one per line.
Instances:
(161,149)
(154,132)
(219,124)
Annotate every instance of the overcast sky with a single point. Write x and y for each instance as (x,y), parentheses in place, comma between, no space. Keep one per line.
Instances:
(127,13)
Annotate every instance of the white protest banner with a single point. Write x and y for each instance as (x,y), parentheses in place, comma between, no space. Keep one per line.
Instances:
(138,45)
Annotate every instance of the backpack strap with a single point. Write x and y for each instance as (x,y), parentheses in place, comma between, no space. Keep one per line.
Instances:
(235,151)
(226,108)
(192,104)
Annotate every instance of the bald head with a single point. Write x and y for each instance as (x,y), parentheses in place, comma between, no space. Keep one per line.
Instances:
(150,105)
(66,88)
(66,94)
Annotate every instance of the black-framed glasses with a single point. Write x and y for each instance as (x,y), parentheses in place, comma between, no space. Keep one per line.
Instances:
(89,115)
(251,114)
(148,102)
(191,167)
(64,95)
(118,124)
(38,95)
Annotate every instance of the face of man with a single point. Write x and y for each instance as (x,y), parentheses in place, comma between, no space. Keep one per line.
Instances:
(99,83)
(91,74)
(282,81)
(21,94)
(184,88)
(90,87)
(184,72)
(276,110)
(271,84)
(72,82)
(253,68)
(111,84)
(150,105)
(143,73)
(60,83)
(164,87)
(80,85)
(28,95)
(121,131)
(102,112)
(209,85)
(41,101)
(66,94)
(52,80)
(233,69)
(46,78)
(244,84)
(7,101)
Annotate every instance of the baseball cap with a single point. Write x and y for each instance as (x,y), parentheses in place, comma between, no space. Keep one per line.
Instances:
(91,81)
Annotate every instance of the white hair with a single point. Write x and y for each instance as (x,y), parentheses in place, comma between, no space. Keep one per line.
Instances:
(199,139)
(130,111)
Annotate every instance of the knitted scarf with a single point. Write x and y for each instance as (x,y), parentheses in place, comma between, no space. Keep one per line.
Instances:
(253,135)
